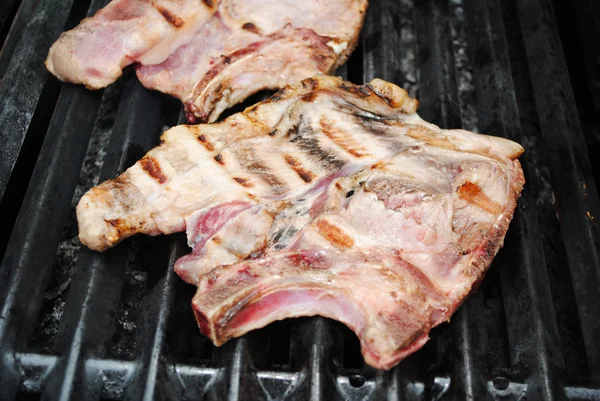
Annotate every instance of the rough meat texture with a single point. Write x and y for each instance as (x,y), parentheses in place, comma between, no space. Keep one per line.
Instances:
(209,54)
(291,203)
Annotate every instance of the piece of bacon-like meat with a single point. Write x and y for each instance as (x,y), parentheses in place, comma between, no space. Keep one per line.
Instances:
(328,198)
(210,54)
(125,31)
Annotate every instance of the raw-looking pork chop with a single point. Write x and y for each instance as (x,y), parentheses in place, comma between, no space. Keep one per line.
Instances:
(210,54)
(327,199)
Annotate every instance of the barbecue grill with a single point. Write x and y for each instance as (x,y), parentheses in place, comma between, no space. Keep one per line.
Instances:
(79,325)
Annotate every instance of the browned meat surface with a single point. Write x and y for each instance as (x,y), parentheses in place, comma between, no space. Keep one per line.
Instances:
(209,54)
(327,199)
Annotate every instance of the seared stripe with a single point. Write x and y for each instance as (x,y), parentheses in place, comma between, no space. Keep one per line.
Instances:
(209,3)
(120,226)
(243,182)
(249,26)
(254,166)
(342,139)
(310,146)
(219,159)
(472,193)
(169,17)
(304,137)
(335,235)
(361,91)
(310,84)
(151,166)
(266,175)
(385,131)
(206,143)
(306,175)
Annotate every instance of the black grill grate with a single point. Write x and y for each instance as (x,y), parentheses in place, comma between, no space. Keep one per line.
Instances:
(77,325)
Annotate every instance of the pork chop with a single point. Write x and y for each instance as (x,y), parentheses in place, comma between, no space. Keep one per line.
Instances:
(291,203)
(210,54)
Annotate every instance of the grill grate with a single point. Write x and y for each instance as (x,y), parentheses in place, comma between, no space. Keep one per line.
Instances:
(78,325)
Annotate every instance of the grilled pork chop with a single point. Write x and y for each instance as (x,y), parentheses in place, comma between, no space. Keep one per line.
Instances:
(210,54)
(291,203)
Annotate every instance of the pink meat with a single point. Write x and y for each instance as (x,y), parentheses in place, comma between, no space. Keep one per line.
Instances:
(211,54)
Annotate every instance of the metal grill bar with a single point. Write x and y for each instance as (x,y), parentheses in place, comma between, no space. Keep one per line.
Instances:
(196,378)
(150,381)
(97,285)
(573,181)
(38,227)
(19,91)
(13,29)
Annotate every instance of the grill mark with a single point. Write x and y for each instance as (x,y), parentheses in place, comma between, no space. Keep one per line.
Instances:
(266,175)
(208,3)
(219,159)
(310,97)
(121,226)
(361,91)
(304,138)
(473,194)
(254,166)
(306,175)
(249,26)
(310,83)
(341,139)
(311,147)
(169,17)
(335,235)
(243,182)
(206,143)
(373,127)
(152,167)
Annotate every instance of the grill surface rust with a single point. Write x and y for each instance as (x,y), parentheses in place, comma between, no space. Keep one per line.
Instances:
(79,325)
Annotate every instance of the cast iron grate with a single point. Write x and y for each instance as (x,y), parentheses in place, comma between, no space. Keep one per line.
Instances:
(77,325)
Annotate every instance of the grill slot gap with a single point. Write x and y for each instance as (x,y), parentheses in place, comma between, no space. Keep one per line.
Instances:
(7,15)
(352,358)
(28,397)
(69,246)
(498,357)
(279,343)
(353,69)
(184,339)
(579,32)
